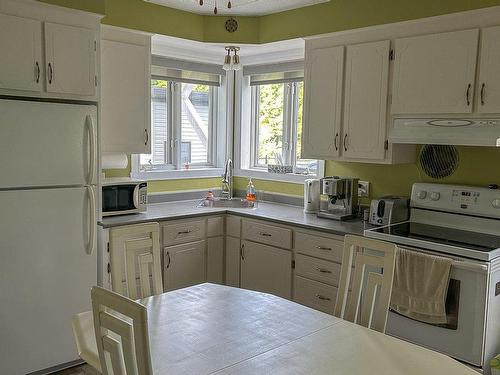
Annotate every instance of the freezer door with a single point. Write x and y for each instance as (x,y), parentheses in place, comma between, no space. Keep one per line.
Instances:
(47,144)
(47,268)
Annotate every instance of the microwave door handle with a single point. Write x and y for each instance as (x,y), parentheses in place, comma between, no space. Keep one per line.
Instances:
(309,188)
(136,196)
(92,220)
(92,149)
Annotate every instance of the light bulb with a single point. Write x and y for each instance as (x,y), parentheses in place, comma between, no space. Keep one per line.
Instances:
(227,62)
(236,62)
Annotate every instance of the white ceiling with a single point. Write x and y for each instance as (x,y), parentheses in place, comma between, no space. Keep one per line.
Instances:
(239,7)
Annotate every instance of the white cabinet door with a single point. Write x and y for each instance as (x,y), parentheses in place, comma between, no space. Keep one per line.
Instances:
(489,72)
(322,103)
(70,54)
(215,260)
(232,261)
(266,269)
(47,144)
(365,104)
(21,53)
(435,73)
(184,265)
(125,97)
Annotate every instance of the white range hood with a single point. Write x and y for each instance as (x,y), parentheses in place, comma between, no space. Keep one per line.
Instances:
(446,131)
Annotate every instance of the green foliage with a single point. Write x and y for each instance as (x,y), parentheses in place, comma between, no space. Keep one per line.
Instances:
(159,83)
(271,100)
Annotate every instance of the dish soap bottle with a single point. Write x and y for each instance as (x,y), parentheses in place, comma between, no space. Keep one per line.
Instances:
(251,195)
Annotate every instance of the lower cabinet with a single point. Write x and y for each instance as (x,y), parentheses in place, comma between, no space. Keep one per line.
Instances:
(314,294)
(215,260)
(266,269)
(184,265)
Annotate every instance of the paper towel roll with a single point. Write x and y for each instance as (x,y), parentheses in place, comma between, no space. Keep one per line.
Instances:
(114,161)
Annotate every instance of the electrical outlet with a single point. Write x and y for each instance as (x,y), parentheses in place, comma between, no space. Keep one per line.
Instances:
(363,189)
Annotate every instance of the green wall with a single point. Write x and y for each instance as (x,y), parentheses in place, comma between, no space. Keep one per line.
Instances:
(478,166)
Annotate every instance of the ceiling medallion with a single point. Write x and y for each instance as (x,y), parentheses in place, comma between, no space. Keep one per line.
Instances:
(229,5)
(231,25)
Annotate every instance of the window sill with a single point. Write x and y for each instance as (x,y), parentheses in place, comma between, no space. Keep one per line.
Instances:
(264,175)
(178,174)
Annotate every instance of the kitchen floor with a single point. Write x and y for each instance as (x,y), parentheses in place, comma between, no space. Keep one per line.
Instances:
(79,370)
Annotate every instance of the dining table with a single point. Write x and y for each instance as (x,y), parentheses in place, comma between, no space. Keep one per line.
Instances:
(217,329)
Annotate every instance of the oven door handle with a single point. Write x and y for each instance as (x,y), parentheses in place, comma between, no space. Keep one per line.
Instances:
(469,266)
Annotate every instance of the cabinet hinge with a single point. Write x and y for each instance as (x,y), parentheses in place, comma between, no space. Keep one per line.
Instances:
(293,264)
(386,144)
(391,55)
(109,268)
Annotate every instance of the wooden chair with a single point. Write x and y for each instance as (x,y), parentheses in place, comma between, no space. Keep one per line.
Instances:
(121,331)
(134,256)
(371,307)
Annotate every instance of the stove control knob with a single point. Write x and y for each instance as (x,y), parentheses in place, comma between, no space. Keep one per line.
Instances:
(435,196)
(496,203)
(422,194)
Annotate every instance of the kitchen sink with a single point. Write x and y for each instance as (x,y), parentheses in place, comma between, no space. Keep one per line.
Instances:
(232,203)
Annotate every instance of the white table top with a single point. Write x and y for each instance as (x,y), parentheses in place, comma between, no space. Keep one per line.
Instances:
(210,328)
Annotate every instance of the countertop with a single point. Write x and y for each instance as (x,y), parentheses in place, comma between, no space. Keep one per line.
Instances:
(275,212)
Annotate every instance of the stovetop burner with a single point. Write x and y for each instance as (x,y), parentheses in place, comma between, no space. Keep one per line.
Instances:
(443,235)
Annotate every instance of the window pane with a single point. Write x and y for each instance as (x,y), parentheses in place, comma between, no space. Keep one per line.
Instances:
(195,127)
(270,125)
(303,165)
(159,125)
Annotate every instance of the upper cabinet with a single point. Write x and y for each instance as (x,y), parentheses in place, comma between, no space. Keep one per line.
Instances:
(365,101)
(322,103)
(21,57)
(48,52)
(489,72)
(125,91)
(70,56)
(435,74)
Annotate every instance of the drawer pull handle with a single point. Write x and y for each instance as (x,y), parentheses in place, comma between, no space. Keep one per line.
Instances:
(184,231)
(264,234)
(323,298)
(324,248)
(323,270)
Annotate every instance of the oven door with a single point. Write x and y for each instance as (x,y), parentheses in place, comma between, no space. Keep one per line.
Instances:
(120,199)
(463,336)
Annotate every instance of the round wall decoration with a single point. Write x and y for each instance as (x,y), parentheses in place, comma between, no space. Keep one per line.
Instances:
(439,161)
(231,25)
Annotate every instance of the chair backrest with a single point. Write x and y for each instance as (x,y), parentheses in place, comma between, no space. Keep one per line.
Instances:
(121,331)
(371,307)
(135,257)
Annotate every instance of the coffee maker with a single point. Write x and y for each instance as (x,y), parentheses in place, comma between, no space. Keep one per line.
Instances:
(339,197)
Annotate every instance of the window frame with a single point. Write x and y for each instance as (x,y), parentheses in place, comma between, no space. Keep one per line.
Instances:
(289,131)
(173,168)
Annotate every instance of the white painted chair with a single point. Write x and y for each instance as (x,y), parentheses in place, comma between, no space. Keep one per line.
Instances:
(121,331)
(135,259)
(368,307)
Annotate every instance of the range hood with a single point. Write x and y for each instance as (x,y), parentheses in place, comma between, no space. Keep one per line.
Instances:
(446,131)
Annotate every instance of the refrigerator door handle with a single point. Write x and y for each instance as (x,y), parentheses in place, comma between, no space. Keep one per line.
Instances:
(93,151)
(92,224)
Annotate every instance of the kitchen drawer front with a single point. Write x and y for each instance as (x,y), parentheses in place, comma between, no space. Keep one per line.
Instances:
(267,234)
(233,226)
(317,269)
(314,294)
(184,231)
(215,226)
(321,247)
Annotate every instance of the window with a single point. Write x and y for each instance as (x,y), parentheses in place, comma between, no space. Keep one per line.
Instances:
(183,122)
(277,127)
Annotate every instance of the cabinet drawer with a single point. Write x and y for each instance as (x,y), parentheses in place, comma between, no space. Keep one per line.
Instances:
(314,294)
(215,226)
(183,232)
(317,269)
(317,246)
(233,226)
(267,234)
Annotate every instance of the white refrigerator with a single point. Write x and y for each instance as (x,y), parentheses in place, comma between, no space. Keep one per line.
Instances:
(48,223)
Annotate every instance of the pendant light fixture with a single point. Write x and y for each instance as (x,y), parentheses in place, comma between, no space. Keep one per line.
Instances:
(229,5)
(232,62)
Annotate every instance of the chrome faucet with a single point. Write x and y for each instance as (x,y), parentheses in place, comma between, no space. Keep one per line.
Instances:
(227,180)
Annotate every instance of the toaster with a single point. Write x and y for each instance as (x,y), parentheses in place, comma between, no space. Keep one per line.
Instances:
(389,210)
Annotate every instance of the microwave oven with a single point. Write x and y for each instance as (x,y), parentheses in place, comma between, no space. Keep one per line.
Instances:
(122,196)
